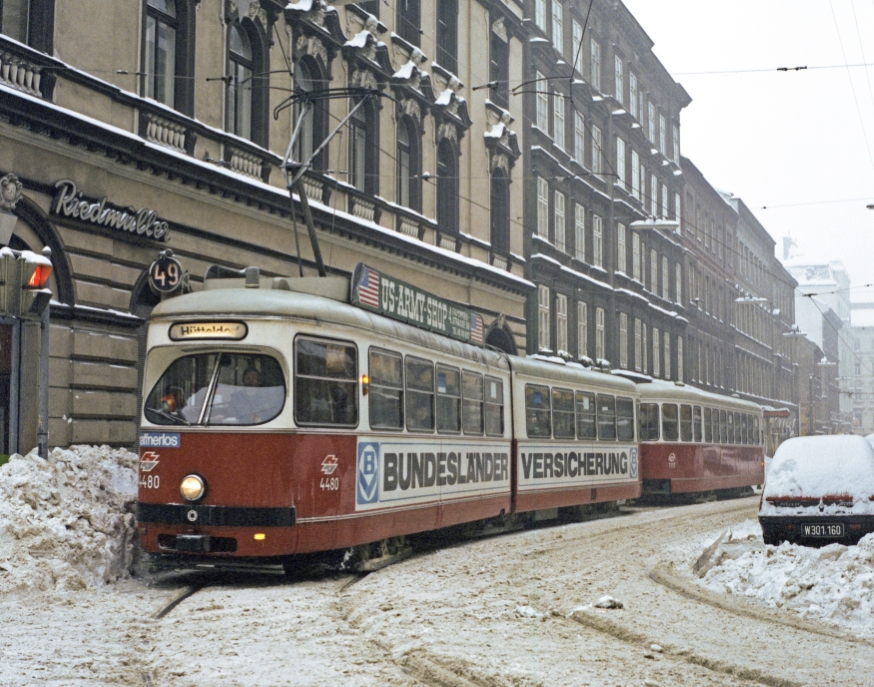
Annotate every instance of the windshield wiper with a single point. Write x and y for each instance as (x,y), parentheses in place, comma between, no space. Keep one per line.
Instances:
(177,420)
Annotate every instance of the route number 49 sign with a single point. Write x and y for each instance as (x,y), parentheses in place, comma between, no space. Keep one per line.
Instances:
(165,274)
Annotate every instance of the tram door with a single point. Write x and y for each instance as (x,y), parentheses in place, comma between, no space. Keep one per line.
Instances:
(5,389)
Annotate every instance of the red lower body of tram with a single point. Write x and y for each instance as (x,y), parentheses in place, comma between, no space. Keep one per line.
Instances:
(686,468)
(281,494)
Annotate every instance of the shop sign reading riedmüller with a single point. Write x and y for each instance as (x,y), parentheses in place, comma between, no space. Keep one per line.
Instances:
(70,202)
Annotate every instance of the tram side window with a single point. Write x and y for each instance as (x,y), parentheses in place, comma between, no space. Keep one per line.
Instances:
(563,413)
(648,419)
(685,422)
(669,422)
(420,394)
(730,427)
(586,428)
(472,403)
(537,413)
(723,427)
(448,400)
(325,383)
(606,417)
(745,428)
(386,390)
(624,419)
(756,434)
(708,427)
(494,414)
(696,424)
(738,438)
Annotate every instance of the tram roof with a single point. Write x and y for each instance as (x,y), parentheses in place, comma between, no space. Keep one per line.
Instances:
(658,390)
(242,303)
(550,372)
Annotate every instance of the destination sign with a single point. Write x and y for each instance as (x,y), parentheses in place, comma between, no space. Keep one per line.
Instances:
(233,331)
(382,293)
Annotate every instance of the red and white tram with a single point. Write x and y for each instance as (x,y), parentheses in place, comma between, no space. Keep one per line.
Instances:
(280,420)
(692,441)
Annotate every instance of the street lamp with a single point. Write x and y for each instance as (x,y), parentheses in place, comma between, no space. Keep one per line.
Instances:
(653,224)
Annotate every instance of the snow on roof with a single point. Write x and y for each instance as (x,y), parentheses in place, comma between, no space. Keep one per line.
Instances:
(862,317)
(821,466)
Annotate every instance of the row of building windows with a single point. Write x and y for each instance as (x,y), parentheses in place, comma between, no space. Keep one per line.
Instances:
(549,16)
(661,341)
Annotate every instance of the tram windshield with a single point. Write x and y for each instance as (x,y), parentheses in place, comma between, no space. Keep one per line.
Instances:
(218,389)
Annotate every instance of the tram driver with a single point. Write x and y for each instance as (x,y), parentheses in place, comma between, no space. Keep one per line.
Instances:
(253,403)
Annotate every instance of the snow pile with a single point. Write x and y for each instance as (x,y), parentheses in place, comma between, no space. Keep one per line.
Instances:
(67,522)
(834,584)
(814,467)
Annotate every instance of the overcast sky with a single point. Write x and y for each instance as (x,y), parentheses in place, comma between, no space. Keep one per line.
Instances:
(800,143)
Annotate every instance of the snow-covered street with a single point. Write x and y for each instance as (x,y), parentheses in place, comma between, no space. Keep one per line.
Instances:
(649,596)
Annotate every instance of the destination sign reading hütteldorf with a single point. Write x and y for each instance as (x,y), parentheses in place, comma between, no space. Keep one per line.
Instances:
(398,300)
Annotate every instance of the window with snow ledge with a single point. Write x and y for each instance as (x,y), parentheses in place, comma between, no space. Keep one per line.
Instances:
(408,20)
(31,22)
(246,95)
(447,34)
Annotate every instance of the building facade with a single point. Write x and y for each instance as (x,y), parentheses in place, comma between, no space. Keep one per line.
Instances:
(135,126)
(603,130)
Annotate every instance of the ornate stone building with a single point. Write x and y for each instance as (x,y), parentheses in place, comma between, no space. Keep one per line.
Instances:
(140,125)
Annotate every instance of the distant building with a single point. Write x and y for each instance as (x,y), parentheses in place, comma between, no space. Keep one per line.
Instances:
(859,387)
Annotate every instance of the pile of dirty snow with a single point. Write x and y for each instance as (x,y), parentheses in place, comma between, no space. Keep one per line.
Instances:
(834,584)
(67,522)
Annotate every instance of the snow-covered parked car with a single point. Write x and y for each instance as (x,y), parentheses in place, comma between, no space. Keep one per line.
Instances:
(819,490)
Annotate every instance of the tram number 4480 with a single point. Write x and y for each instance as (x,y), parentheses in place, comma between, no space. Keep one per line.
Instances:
(150,481)
(329,483)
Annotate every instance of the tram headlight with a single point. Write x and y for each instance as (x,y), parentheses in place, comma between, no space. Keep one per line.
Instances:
(193,487)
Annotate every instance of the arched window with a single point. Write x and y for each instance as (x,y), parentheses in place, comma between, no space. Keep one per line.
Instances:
(500,215)
(363,162)
(168,50)
(307,78)
(408,175)
(241,71)
(447,187)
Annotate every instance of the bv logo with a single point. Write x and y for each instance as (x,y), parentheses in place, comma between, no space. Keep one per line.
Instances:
(148,461)
(368,473)
(632,464)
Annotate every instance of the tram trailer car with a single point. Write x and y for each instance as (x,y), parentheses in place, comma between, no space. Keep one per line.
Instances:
(282,421)
(693,441)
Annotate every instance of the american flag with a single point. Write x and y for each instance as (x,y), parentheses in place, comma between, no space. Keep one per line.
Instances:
(476,328)
(368,288)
